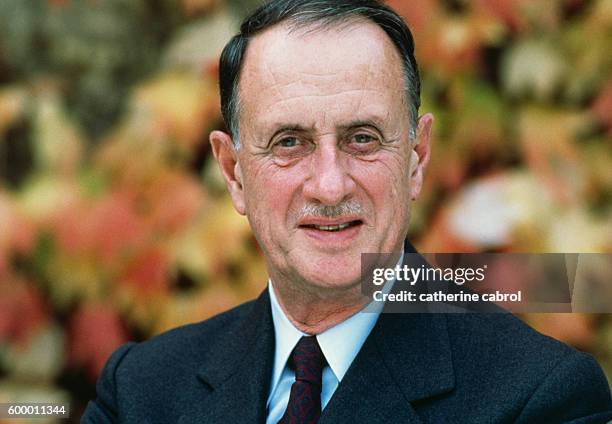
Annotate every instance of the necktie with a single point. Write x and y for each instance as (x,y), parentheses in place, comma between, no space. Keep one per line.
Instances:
(304,405)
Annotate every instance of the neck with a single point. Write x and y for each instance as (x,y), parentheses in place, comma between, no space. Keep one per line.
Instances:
(313,312)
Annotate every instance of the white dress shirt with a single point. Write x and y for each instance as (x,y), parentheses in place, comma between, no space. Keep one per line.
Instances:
(340,345)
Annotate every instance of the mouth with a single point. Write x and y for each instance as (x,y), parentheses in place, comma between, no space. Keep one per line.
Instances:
(329,227)
(332,235)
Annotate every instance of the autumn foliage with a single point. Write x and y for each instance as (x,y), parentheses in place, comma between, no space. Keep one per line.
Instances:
(114,222)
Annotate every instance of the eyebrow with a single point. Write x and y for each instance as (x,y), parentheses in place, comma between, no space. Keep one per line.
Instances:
(290,127)
(370,122)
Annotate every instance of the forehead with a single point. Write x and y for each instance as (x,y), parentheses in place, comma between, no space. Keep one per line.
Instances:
(297,71)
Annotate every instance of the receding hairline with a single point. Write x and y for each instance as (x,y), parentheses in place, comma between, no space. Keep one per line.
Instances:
(304,29)
(298,28)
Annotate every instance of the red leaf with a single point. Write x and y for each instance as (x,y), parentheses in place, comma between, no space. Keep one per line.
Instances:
(602,108)
(95,332)
(148,272)
(22,310)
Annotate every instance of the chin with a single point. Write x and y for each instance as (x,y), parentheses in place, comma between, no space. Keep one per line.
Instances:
(332,273)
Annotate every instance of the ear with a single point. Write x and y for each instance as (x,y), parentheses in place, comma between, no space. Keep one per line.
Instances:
(227,158)
(419,157)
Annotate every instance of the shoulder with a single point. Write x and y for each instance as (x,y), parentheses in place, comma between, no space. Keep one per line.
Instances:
(193,342)
(166,366)
(504,344)
(499,353)
(509,333)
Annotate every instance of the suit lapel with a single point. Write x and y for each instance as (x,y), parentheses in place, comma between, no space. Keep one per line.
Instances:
(368,393)
(238,375)
(416,350)
(406,358)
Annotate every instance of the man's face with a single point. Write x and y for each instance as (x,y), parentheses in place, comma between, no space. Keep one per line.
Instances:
(326,170)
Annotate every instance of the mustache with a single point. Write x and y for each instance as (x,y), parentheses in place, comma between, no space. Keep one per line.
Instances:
(348,208)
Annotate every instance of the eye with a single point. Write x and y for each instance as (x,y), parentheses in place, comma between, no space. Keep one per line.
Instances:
(288,142)
(362,143)
(291,146)
(363,138)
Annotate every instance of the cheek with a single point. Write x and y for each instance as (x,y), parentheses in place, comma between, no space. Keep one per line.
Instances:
(269,193)
(386,182)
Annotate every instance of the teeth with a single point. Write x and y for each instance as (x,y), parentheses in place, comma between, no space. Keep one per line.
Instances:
(332,227)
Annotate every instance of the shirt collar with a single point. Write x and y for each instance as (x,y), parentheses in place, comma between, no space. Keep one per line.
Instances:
(286,337)
(340,343)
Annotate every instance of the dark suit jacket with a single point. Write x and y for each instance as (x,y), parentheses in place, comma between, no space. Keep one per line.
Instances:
(413,368)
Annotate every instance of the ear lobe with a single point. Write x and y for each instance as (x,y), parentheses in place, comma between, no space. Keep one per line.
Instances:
(420,154)
(227,158)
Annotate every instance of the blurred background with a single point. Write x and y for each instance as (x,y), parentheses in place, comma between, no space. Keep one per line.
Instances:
(114,221)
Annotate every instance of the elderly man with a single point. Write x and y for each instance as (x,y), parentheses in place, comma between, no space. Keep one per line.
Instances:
(325,154)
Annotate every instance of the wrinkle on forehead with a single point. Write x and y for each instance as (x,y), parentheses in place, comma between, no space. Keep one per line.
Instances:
(268,51)
(352,67)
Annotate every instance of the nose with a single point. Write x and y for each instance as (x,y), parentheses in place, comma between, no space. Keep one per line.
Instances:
(328,183)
